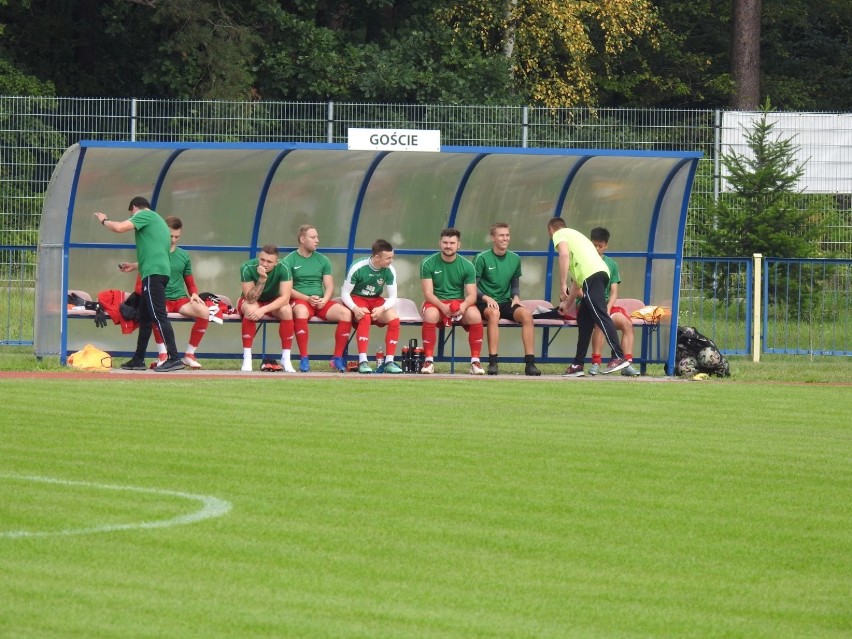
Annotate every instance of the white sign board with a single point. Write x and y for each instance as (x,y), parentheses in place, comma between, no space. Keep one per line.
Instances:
(394,140)
(824,144)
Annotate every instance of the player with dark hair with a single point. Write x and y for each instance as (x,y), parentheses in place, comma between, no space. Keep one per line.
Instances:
(266,287)
(448,282)
(620,317)
(498,273)
(152,255)
(313,286)
(362,291)
(578,259)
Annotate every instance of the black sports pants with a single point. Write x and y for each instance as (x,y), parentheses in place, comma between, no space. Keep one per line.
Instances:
(152,308)
(592,312)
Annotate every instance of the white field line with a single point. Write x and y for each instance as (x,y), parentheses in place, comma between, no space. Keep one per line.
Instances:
(210,507)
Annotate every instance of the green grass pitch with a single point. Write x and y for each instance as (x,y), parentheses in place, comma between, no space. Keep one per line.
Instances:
(437,508)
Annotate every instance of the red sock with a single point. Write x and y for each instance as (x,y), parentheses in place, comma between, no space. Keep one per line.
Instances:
(430,334)
(474,338)
(341,337)
(157,337)
(249,329)
(363,333)
(198,330)
(285,332)
(628,357)
(392,337)
(300,325)
(596,358)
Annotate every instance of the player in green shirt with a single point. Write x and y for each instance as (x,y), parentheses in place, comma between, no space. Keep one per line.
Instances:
(578,258)
(313,286)
(620,317)
(181,296)
(152,256)
(361,292)
(498,273)
(267,286)
(449,288)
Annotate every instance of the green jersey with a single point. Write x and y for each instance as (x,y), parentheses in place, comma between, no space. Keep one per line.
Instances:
(614,275)
(448,278)
(585,260)
(181,266)
(271,289)
(494,274)
(368,281)
(153,241)
(308,272)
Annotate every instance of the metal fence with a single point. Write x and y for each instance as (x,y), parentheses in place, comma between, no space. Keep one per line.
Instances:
(35,131)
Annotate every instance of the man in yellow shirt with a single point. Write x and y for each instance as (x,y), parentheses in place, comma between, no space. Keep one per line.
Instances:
(579,259)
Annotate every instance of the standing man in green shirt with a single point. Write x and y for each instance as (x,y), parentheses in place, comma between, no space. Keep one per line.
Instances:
(578,260)
(313,286)
(448,282)
(498,273)
(153,241)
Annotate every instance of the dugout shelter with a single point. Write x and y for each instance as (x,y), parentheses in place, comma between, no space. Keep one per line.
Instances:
(235,197)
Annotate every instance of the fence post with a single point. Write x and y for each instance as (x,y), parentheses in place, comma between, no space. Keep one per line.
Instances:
(133,119)
(757,315)
(329,133)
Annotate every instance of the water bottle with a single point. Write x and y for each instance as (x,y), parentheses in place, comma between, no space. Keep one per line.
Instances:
(380,361)
(417,359)
(406,360)
(421,359)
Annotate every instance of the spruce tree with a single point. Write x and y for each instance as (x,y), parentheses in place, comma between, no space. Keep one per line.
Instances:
(763,212)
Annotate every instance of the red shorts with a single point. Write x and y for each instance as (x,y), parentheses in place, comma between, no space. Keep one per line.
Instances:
(242,301)
(371,303)
(618,309)
(313,310)
(430,305)
(174,306)
(448,321)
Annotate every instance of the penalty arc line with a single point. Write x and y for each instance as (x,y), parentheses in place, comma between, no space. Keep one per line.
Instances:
(211,507)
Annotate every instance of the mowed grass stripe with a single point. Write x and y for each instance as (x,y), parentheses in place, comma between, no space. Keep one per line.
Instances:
(453,508)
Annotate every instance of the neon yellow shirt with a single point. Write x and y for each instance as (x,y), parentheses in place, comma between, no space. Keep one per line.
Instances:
(585,260)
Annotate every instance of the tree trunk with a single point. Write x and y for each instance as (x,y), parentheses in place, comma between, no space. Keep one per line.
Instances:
(745,55)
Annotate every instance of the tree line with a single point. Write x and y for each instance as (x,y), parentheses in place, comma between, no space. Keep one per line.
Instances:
(623,53)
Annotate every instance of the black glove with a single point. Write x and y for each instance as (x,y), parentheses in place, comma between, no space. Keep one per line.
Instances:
(75,300)
(91,306)
(101,318)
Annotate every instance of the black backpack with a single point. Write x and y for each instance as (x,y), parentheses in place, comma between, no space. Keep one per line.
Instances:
(697,353)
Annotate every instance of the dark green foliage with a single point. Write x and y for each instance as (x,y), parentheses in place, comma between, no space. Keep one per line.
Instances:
(398,51)
(762,212)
